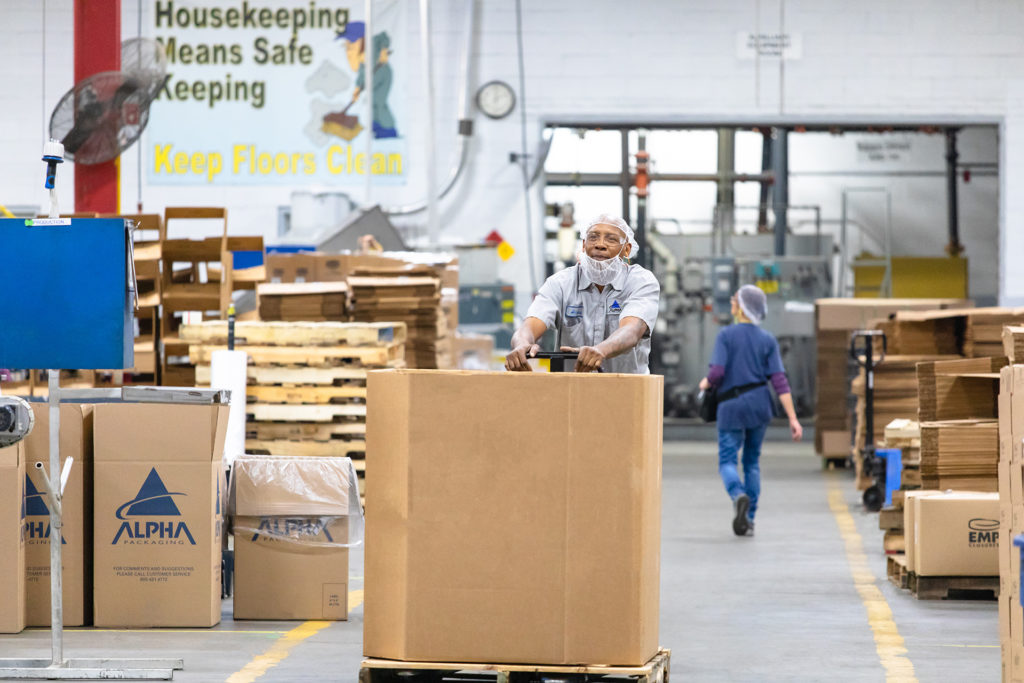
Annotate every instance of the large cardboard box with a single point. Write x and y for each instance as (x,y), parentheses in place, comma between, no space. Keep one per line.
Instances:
(76,432)
(513,517)
(291,520)
(158,514)
(957,534)
(12,538)
(910,524)
(852,314)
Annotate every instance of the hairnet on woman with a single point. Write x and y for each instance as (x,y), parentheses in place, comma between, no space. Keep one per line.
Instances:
(744,361)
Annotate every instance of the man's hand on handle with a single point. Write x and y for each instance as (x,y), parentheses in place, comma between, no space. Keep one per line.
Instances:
(516,360)
(589,359)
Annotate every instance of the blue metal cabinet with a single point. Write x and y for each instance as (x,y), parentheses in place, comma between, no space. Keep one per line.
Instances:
(66,294)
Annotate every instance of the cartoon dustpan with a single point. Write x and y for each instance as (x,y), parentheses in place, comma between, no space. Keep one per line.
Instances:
(342,125)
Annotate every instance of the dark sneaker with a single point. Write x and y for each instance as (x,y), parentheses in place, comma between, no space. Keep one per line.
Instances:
(740,523)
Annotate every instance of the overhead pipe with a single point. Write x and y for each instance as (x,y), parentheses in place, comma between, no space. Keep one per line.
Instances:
(954,248)
(465,131)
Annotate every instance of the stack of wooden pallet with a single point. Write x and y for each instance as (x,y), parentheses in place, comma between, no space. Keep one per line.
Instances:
(303,302)
(198,279)
(306,386)
(410,295)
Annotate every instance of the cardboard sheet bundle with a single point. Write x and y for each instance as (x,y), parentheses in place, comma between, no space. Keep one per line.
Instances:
(411,295)
(960,455)
(1011,517)
(303,302)
(1013,343)
(958,389)
(984,335)
(835,320)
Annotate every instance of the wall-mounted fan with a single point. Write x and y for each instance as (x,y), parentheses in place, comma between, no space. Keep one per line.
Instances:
(105,113)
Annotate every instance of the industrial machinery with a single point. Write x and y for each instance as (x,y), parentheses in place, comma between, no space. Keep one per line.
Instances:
(696,285)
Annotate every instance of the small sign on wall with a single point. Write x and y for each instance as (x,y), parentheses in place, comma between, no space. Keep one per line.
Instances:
(876,150)
(750,45)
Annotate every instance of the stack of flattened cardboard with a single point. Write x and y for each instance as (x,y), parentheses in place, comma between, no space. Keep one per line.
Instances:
(306,382)
(1011,519)
(984,335)
(1013,343)
(293,518)
(465,498)
(958,389)
(835,320)
(895,397)
(960,454)
(917,333)
(906,436)
(411,295)
(304,301)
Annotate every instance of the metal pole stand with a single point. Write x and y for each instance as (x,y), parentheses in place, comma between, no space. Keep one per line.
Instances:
(874,466)
(57,667)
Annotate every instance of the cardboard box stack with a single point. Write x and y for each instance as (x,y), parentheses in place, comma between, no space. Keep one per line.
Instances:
(961,455)
(895,397)
(1011,518)
(12,538)
(293,520)
(303,302)
(835,320)
(198,278)
(958,389)
(158,514)
(506,583)
(956,533)
(984,336)
(306,384)
(411,295)
(905,435)
(1013,343)
(76,441)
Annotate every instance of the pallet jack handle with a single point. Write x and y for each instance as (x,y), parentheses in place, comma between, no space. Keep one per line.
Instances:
(874,466)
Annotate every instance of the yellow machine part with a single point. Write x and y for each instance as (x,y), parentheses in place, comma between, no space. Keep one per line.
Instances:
(914,277)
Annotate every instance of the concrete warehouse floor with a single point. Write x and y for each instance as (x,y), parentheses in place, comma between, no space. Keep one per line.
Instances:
(778,607)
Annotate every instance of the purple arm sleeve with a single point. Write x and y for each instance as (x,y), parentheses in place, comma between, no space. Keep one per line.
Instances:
(780,383)
(715,374)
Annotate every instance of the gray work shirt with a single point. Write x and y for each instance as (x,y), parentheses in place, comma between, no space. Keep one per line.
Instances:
(586,316)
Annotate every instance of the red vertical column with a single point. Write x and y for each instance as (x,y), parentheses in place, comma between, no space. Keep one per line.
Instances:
(97,48)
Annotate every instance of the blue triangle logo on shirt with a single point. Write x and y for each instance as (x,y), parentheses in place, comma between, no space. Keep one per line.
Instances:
(616,306)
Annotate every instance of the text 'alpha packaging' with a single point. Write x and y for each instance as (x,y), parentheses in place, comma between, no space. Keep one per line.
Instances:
(294,519)
(158,514)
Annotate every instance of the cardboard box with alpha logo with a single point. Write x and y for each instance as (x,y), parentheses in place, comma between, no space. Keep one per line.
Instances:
(957,534)
(76,535)
(12,538)
(158,519)
(530,540)
(293,520)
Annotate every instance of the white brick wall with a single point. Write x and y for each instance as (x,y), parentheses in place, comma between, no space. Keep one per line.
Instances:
(875,59)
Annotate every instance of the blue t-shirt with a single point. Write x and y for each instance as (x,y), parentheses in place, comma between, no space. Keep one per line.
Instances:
(749,355)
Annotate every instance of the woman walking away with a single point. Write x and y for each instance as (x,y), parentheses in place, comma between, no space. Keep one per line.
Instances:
(744,360)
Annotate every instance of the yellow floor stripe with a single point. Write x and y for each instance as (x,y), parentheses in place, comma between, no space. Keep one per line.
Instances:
(888,641)
(262,663)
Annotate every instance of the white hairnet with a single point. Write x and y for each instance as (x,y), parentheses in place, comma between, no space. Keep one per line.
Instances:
(615,222)
(752,302)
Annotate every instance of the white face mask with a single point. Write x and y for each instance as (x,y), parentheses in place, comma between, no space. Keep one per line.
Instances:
(602,272)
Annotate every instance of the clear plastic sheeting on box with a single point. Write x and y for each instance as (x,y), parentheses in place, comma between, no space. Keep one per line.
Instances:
(304,500)
(312,532)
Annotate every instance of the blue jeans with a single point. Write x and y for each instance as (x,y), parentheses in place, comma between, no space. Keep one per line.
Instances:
(729,443)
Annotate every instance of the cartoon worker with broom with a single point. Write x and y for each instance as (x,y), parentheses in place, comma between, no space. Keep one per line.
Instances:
(341,123)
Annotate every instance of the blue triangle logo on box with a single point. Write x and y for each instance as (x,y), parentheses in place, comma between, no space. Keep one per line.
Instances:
(152,500)
(34,505)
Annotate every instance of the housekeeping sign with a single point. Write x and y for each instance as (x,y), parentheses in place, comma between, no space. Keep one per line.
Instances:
(273,92)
